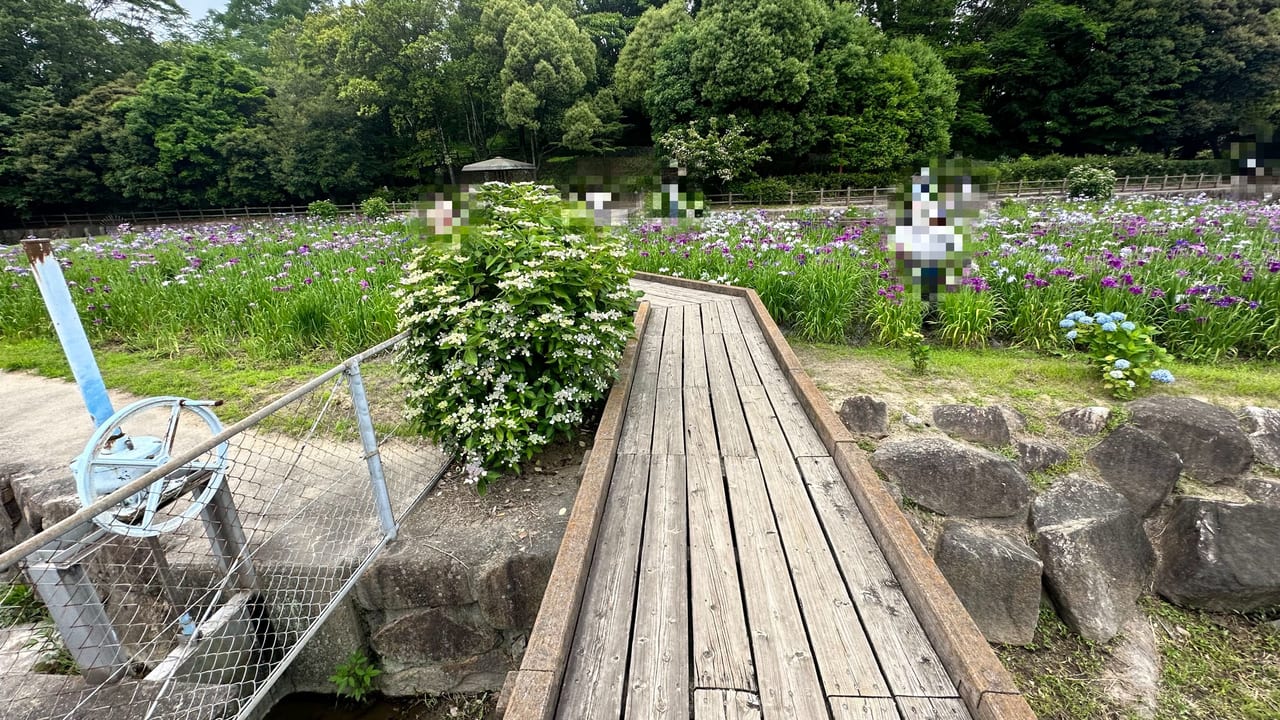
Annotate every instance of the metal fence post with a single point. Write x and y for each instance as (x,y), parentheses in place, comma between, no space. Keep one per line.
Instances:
(369,440)
(66,321)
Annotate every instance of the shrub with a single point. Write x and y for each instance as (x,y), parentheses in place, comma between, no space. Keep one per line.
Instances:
(375,208)
(766,191)
(514,330)
(323,209)
(1122,350)
(1091,182)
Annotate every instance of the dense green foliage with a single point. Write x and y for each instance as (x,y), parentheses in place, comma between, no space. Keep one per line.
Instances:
(515,329)
(119,104)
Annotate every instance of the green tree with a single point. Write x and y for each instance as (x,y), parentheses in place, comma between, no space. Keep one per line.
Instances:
(717,148)
(178,128)
(57,155)
(548,65)
(243,28)
(634,71)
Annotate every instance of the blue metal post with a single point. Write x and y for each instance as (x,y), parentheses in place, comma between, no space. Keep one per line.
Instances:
(369,439)
(66,321)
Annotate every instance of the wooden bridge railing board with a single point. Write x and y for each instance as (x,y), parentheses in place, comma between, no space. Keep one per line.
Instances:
(817,628)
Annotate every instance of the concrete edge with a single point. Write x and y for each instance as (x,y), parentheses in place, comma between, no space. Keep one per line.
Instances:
(534,687)
(982,680)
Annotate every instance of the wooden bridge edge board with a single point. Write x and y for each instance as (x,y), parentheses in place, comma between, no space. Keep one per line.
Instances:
(531,692)
(983,682)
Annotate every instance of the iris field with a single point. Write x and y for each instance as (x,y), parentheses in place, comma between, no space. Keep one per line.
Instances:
(1205,273)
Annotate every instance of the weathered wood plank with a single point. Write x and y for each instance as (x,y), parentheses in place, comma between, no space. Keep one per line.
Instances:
(670,370)
(744,367)
(801,435)
(668,422)
(844,657)
(699,423)
(913,708)
(785,670)
(710,318)
(695,357)
(658,684)
(593,680)
(731,425)
(854,708)
(725,705)
(728,319)
(907,658)
(721,650)
(637,428)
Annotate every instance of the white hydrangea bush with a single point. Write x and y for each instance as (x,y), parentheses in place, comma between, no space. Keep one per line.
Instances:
(516,330)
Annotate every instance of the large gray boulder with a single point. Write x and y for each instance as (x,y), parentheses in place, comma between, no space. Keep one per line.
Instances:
(1035,455)
(1263,426)
(865,415)
(1206,437)
(997,578)
(953,478)
(982,425)
(1097,559)
(1138,464)
(1220,555)
(1086,420)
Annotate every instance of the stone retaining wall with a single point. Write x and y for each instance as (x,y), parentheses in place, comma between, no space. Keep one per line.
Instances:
(1169,495)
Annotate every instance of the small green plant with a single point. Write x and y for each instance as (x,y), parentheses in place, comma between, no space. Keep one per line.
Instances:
(1091,182)
(19,604)
(354,678)
(1122,350)
(323,209)
(919,351)
(53,656)
(375,208)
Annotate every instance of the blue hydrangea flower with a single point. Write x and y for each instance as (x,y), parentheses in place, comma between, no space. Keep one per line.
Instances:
(1128,326)
(1122,364)
(1076,315)
(1162,376)
(1108,326)
(1101,318)
(1118,316)
(1072,335)
(1116,374)
(1068,323)
(1086,320)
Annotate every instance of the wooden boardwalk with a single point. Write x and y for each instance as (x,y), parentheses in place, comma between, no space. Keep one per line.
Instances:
(728,572)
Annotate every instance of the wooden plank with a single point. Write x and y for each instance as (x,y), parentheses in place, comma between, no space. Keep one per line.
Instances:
(637,427)
(725,705)
(710,318)
(658,685)
(744,367)
(699,423)
(801,435)
(728,318)
(907,658)
(913,708)
(670,370)
(731,425)
(853,708)
(785,669)
(668,422)
(695,357)
(721,650)
(593,680)
(843,653)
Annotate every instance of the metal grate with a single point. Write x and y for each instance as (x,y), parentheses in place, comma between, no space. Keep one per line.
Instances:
(200,621)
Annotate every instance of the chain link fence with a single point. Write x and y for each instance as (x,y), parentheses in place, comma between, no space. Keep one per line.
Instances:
(186,592)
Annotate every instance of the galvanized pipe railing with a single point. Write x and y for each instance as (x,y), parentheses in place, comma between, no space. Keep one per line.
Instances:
(86,515)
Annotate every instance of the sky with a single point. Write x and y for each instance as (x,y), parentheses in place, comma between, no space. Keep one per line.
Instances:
(197,8)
